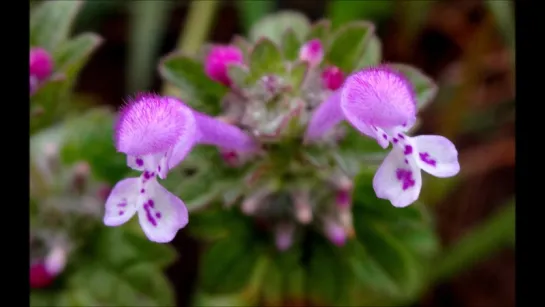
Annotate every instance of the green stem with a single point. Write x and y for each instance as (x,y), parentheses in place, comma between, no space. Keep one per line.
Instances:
(148,24)
(497,232)
(195,31)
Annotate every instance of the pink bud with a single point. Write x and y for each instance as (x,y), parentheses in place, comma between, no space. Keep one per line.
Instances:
(41,63)
(332,78)
(335,232)
(284,236)
(230,158)
(217,60)
(312,52)
(39,276)
(302,206)
(55,261)
(343,198)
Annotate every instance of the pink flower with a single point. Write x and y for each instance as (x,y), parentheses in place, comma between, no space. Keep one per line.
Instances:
(218,60)
(380,103)
(332,78)
(312,52)
(156,133)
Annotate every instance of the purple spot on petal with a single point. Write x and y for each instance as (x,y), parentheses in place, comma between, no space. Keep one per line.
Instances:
(147,175)
(406,161)
(405,177)
(151,203)
(158,215)
(424,156)
(121,204)
(142,191)
(401,136)
(121,212)
(139,162)
(408,150)
(385,136)
(151,219)
(159,168)
(152,174)
(395,140)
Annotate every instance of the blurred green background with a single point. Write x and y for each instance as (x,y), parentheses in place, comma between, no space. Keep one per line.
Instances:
(466,46)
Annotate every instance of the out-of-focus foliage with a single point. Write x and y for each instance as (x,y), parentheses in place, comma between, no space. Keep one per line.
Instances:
(73,162)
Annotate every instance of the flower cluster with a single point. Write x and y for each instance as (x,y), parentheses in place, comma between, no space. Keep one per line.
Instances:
(156,133)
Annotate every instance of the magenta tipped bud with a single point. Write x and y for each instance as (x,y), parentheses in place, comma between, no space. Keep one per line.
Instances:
(302,207)
(55,261)
(335,232)
(39,276)
(343,199)
(41,63)
(332,78)
(217,61)
(312,52)
(284,236)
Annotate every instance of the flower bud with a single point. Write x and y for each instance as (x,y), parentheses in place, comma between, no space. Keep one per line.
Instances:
(332,78)
(39,276)
(312,52)
(284,236)
(41,63)
(217,60)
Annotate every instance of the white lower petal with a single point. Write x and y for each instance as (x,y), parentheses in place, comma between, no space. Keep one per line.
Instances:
(121,204)
(398,179)
(161,213)
(436,155)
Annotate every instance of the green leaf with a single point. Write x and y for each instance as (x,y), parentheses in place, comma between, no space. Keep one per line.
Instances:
(198,91)
(271,293)
(372,54)
(238,75)
(348,45)
(320,30)
(138,285)
(421,240)
(342,11)
(120,249)
(214,224)
(378,209)
(71,56)
(298,73)
(273,26)
(48,97)
(324,283)
(265,59)
(242,44)
(227,265)
(290,45)
(50,23)
(89,137)
(423,85)
(42,298)
(387,251)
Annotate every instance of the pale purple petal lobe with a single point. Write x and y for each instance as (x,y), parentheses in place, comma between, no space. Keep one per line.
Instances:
(378,96)
(325,117)
(436,155)
(121,204)
(160,213)
(213,131)
(398,179)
